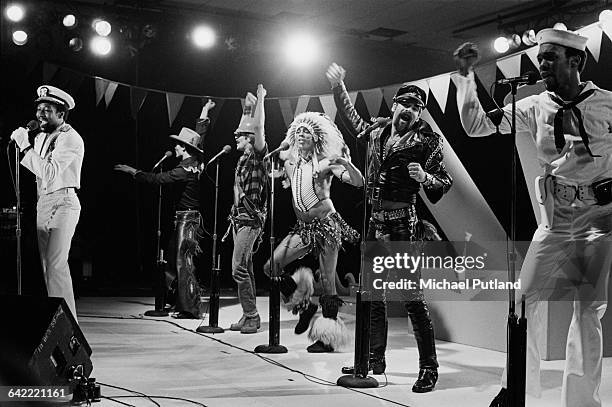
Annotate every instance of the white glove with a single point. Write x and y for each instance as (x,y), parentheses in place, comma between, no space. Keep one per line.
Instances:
(21,138)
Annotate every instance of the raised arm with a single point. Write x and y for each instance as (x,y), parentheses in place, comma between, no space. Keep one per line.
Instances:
(474,120)
(203,122)
(348,115)
(260,117)
(346,171)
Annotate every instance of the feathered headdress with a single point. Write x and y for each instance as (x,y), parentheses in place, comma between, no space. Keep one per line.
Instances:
(327,138)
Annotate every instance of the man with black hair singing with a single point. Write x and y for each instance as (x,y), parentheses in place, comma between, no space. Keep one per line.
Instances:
(406,156)
(570,255)
(56,159)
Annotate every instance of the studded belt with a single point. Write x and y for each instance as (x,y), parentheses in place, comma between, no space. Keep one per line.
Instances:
(382,215)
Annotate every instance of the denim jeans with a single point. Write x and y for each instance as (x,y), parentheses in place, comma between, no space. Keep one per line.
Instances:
(57,215)
(401,230)
(242,259)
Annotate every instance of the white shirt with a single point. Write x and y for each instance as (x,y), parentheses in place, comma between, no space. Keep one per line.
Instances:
(56,159)
(535,118)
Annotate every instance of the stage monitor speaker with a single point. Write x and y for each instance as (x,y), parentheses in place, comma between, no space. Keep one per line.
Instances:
(41,343)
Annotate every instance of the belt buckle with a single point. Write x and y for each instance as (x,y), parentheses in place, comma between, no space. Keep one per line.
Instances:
(567,193)
(586,195)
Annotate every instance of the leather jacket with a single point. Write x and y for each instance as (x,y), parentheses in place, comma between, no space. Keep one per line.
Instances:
(388,176)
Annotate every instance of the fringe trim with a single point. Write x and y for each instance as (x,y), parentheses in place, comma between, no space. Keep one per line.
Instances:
(302,294)
(332,332)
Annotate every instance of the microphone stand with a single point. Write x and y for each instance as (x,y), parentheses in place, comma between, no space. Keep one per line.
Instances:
(160,289)
(273,345)
(360,378)
(213,318)
(517,328)
(18,219)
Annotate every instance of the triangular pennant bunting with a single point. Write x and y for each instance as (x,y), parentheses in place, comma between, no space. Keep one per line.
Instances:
(101,85)
(49,71)
(486,74)
(329,106)
(302,104)
(286,110)
(389,93)
(137,98)
(372,98)
(174,102)
(511,66)
(110,92)
(593,33)
(532,53)
(439,89)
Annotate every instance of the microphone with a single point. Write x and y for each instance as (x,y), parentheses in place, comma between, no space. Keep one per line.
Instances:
(167,154)
(529,78)
(226,149)
(378,122)
(283,146)
(32,126)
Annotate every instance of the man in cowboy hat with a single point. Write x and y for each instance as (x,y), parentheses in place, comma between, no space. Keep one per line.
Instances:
(569,257)
(248,213)
(180,277)
(55,159)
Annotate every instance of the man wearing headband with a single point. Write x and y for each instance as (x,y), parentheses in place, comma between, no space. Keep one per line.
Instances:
(569,257)
(56,159)
(406,155)
(182,287)
(317,153)
(249,210)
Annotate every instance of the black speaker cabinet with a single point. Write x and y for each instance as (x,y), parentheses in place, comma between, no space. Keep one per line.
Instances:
(40,343)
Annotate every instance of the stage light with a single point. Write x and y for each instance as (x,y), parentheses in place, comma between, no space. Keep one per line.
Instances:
(560,26)
(203,37)
(501,45)
(102,27)
(69,21)
(75,44)
(301,49)
(514,41)
(15,13)
(20,37)
(101,45)
(529,38)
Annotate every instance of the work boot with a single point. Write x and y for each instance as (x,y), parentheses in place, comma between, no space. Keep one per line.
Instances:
(501,400)
(426,381)
(237,326)
(251,325)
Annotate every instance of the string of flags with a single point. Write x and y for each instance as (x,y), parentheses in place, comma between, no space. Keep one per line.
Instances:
(437,86)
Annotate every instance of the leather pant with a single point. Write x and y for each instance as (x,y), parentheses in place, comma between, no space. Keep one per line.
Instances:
(180,270)
(402,229)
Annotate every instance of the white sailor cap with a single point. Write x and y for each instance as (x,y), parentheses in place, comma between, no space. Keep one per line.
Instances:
(562,37)
(48,93)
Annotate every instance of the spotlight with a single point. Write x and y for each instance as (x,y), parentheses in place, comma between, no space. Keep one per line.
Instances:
(501,45)
(20,37)
(69,21)
(101,45)
(15,13)
(75,44)
(301,49)
(560,26)
(203,37)
(529,38)
(102,27)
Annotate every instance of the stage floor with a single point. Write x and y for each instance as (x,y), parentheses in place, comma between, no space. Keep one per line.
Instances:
(166,357)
